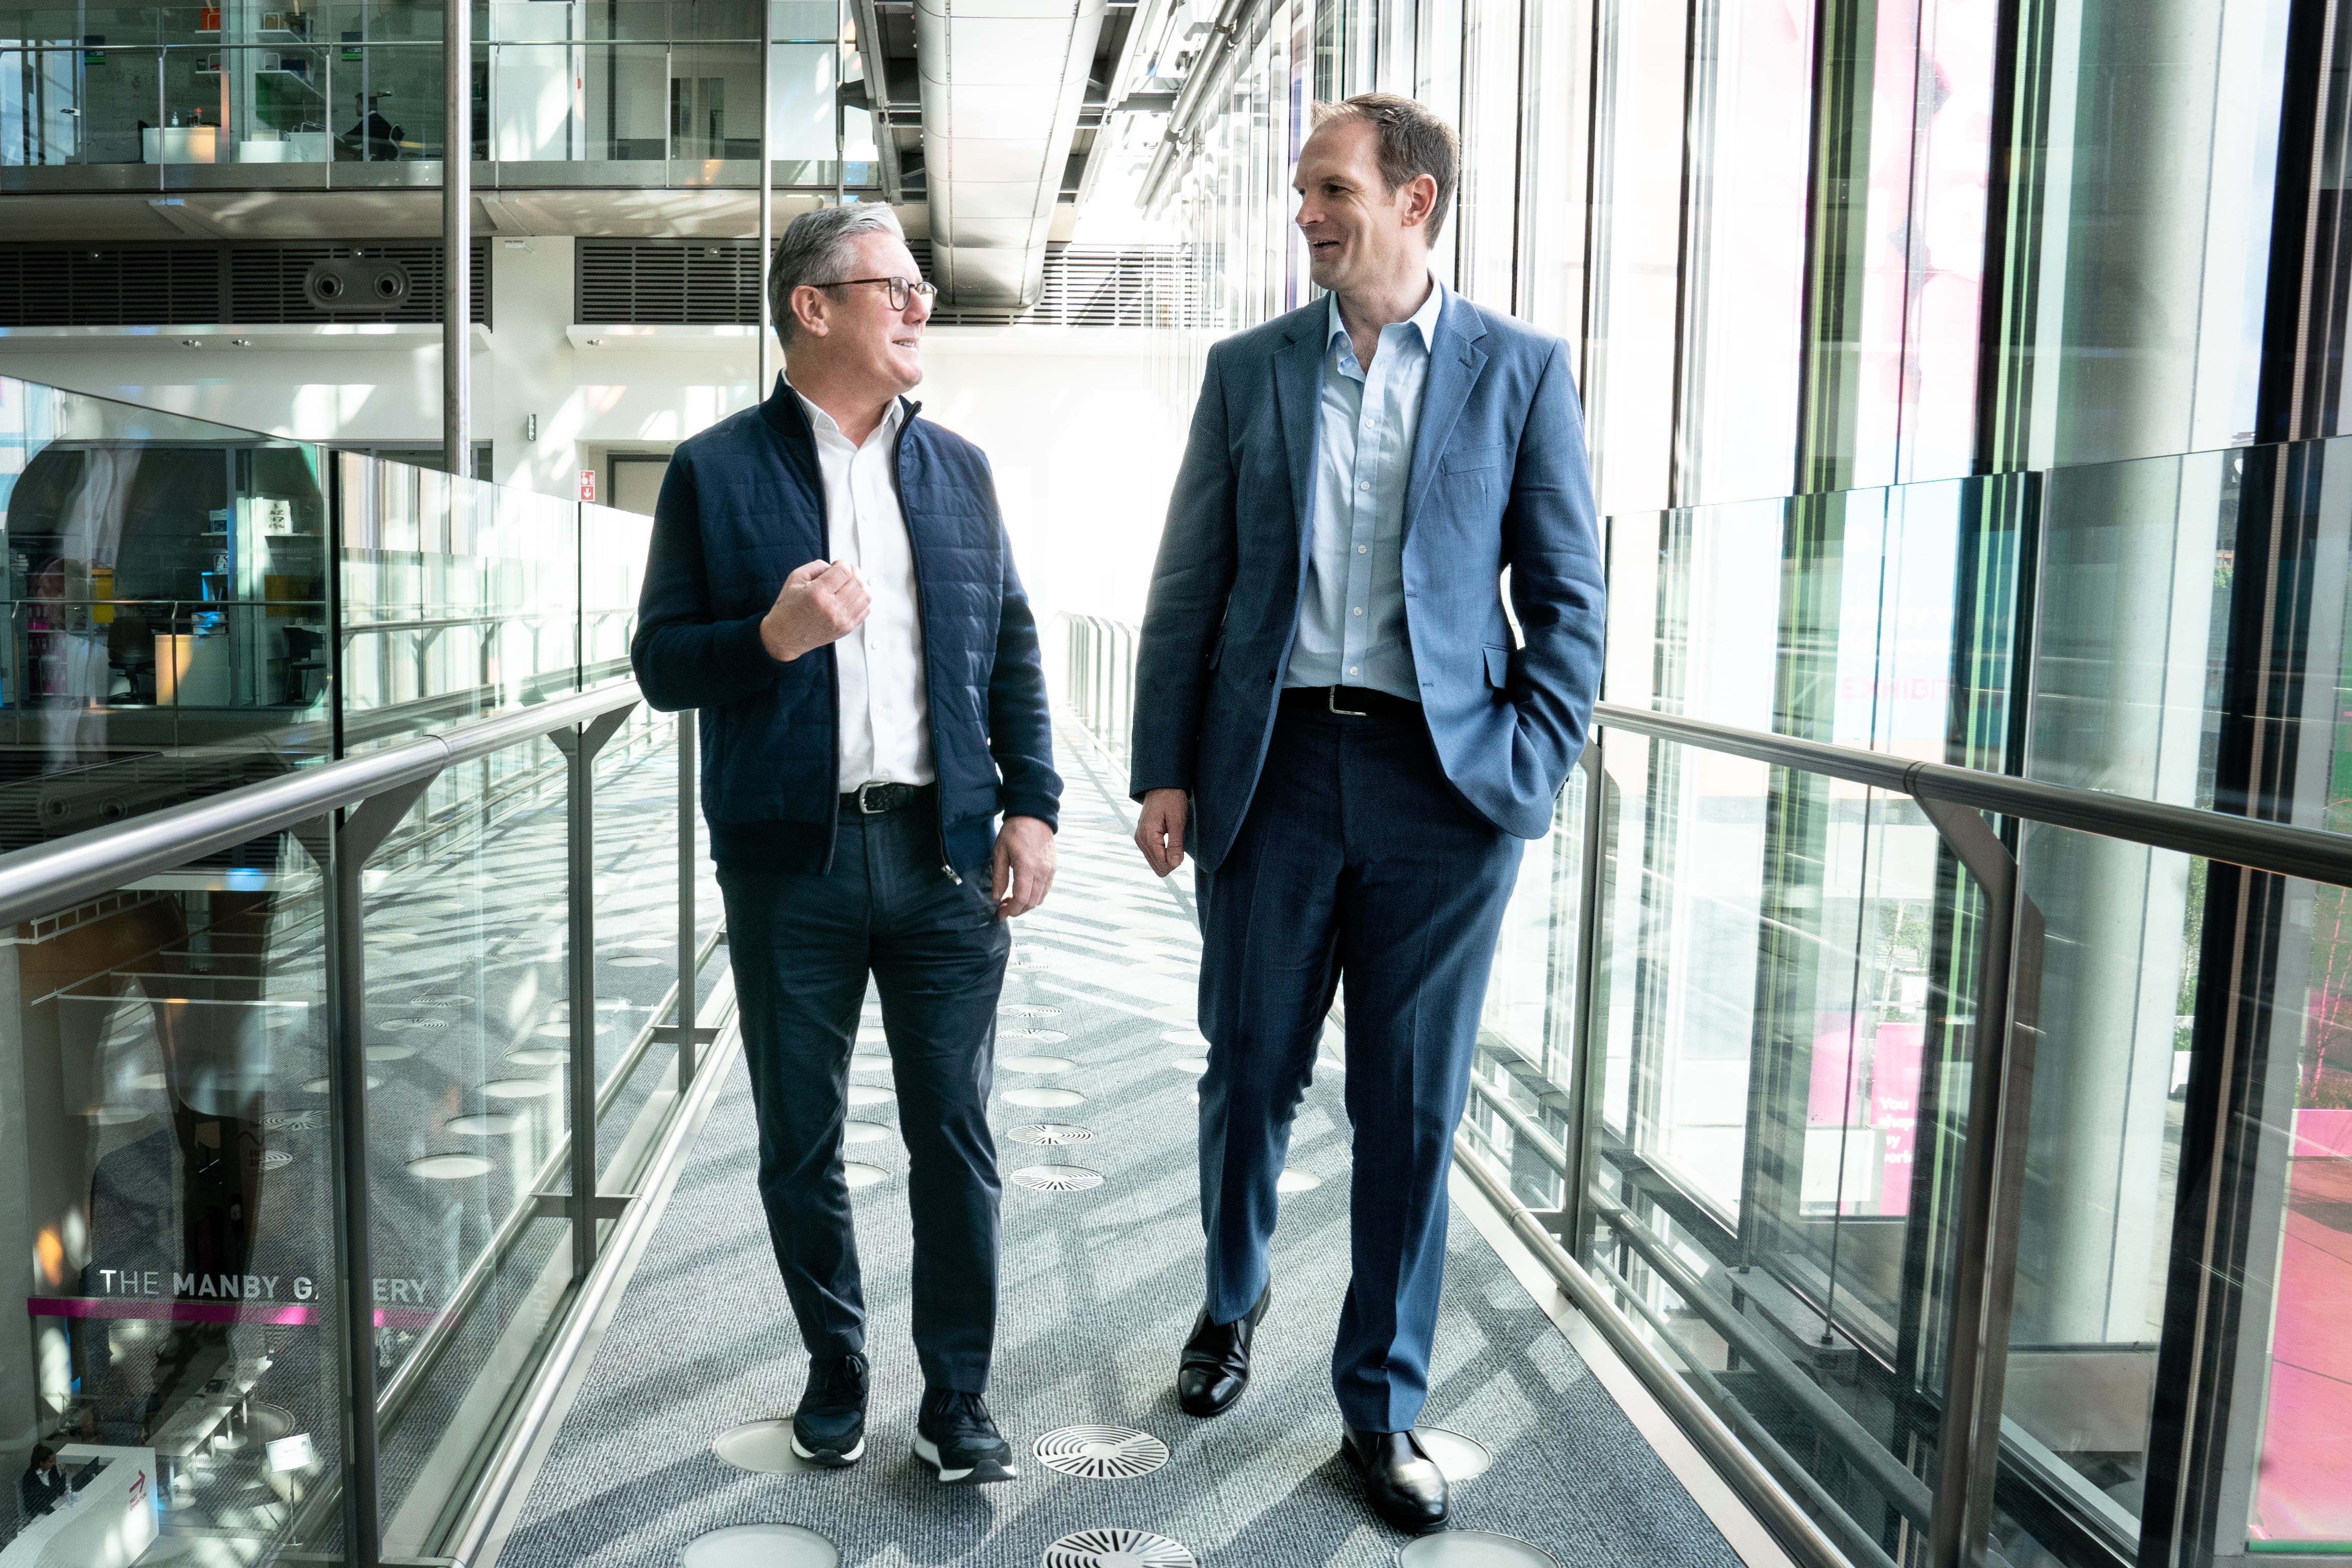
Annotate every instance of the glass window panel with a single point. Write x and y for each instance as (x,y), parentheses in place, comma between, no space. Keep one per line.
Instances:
(164,1104)
(1744,265)
(468,1040)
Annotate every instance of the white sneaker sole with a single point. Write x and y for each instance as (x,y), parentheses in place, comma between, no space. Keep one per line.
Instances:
(929,1452)
(851,1457)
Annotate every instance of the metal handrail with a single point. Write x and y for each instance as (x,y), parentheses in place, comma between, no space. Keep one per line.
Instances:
(2311,854)
(52,876)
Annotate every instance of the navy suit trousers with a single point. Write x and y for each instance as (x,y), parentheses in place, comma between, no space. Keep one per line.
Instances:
(1358,866)
(802,947)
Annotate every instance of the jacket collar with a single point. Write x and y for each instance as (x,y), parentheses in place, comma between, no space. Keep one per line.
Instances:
(1455,361)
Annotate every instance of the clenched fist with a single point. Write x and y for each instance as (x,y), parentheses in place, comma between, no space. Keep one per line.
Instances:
(821,603)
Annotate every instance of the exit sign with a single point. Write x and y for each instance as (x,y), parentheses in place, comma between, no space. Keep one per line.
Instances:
(587,484)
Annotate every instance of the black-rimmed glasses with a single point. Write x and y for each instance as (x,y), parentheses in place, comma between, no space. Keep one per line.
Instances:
(900,288)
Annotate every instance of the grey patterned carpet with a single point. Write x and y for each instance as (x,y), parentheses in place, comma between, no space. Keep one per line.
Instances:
(1100,1286)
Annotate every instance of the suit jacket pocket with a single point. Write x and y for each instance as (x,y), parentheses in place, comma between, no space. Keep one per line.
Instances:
(1499,668)
(1472,460)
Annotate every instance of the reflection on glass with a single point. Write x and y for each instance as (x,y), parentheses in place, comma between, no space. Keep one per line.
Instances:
(468,1028)
(166,1100)
(166,609)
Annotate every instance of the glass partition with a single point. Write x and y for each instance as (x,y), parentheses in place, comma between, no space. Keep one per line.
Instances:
(235,95)
(195,608)
(165,1118)
(167,610)
(1759,1148)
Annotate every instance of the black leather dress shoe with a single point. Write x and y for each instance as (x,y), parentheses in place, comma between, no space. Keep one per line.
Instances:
(1401,1482)
(1216,1366)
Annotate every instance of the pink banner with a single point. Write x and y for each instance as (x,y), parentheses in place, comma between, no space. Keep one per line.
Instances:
(174,1312)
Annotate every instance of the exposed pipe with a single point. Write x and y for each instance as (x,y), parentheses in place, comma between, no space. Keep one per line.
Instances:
(1232,21)
(1001,93)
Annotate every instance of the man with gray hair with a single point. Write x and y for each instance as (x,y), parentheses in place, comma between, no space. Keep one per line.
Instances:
(830,584)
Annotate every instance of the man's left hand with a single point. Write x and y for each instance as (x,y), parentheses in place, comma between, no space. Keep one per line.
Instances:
(1024,865)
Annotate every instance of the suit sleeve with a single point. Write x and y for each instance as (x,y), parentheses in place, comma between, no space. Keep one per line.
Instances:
(682,656)
(1552,543)
(1190,583)
(1020,714)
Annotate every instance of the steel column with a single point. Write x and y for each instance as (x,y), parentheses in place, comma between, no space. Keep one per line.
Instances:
(341,843)
(580,748)
(1991,1183)
(760,385)
(456,241)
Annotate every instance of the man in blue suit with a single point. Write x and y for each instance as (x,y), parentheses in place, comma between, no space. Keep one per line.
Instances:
(1334,715)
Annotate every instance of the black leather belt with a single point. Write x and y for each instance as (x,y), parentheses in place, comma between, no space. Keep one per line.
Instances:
(1349,702)
(874,799)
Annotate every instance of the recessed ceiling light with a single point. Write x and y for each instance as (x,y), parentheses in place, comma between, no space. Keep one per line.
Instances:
(192,342)
(242,342)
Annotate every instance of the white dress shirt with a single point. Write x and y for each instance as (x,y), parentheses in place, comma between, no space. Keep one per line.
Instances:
(886,711)
(1351,625)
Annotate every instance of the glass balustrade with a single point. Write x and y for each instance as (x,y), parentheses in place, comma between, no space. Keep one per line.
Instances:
(226,96)
(1729,1052)
(193,609)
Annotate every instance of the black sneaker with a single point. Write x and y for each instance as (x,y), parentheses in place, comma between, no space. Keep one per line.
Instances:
(829,1428)
(954,1435)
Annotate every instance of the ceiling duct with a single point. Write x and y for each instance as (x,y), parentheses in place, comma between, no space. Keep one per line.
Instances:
(1002,83)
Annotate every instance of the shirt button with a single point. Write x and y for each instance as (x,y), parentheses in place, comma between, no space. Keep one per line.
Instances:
(1360,610)
(1361,549)
(1355,670)
(1363,484)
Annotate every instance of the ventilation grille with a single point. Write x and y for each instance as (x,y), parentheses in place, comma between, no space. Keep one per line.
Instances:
(638,282)
(187,284)
(140,288)
(654,283)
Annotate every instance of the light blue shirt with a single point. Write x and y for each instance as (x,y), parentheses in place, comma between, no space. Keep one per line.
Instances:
(1351,626)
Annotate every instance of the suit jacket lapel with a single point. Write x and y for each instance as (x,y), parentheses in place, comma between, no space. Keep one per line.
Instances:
(1455,361)
(1298,396)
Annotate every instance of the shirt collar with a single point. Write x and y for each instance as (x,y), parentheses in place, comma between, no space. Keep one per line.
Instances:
(824,424)
(1424,319)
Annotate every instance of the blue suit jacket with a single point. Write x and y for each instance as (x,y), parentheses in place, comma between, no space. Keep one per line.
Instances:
(743,507)
(1498,482)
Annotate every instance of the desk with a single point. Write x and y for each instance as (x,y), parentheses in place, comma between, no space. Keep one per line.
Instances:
(106,1524)
(179,143)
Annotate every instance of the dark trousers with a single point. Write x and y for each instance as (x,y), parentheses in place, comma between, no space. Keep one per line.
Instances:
(1358,866)
(803,947)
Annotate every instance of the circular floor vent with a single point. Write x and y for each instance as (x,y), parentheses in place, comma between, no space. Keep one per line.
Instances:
(1058,1178)
(1035,1063)
(759,1546)
(1473,1548)
(764,1447)
(1296,1181)
(1050,1132)
(1459,1457)
(1101,1453)
(1034,1035)
(1027,1010)
(1118,1549)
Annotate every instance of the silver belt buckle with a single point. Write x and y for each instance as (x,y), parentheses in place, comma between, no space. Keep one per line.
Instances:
(865,798)
(1331,701)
